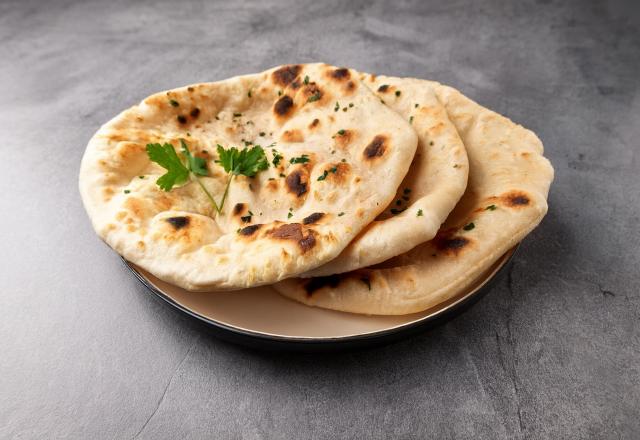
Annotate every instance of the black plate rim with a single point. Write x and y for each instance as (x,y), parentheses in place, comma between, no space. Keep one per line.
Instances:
(260,340)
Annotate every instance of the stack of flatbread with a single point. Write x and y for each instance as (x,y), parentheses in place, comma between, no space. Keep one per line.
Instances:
(379,195)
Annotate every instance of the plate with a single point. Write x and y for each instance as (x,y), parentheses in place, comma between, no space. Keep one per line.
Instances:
(261,318)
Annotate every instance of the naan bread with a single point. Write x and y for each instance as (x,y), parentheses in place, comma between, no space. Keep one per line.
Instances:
(436,180)
(505,199)
(282,222)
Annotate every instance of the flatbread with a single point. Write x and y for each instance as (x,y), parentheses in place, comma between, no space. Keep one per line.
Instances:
(282,222)
(505,199)
(435,182)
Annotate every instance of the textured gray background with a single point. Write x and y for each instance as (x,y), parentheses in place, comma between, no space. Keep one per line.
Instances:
(552,352)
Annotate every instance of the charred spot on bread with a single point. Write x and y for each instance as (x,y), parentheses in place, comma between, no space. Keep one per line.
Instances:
(340,74)
(296,182)
(307,242)
(238,209)
(249,230)
(314,124)
(288,231)
(516,199)
(512,199)
(283,105)
(195,112)
(376,147)
(448,243)
(286,74)
(294,232)
(178,222)
(384,88)
(313,218)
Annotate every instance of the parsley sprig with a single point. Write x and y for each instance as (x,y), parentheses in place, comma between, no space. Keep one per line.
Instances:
(177,171)
(247,162)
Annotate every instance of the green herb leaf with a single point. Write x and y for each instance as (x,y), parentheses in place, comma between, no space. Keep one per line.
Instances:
(491,207)
(419,214)
(277,157)
(314,97)
(306,80)
(302,159)
(127,191)
(411,120)
(324,176)
(247,162)
(337,107)
(341,132)
(398,92)
(165,156)
(469,226)
(340,214)
(174,103)
(177,173)
(196,165)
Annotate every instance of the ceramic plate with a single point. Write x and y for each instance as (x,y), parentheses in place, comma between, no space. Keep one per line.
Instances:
(262,318)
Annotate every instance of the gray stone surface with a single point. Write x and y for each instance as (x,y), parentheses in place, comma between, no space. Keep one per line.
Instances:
(552,352)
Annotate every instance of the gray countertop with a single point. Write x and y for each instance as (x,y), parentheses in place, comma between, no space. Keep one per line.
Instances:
(552,352)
